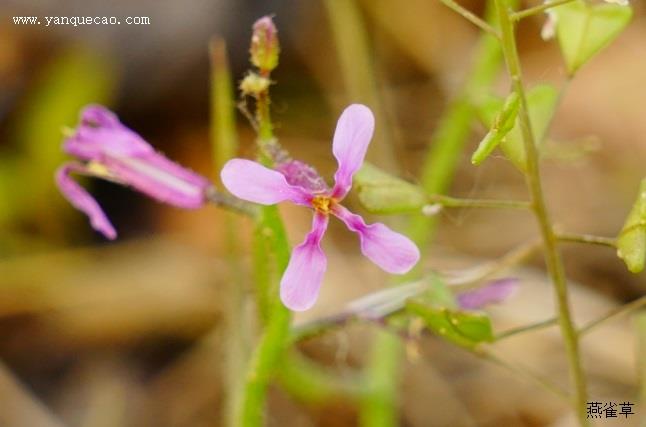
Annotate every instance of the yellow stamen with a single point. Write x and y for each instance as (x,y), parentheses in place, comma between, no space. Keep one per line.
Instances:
(322,204)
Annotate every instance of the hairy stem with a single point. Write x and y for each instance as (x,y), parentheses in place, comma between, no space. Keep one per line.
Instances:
(231,203)
(552,255)
(271,256)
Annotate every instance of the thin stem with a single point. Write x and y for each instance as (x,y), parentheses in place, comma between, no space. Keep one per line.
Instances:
(523,372)
(469,16)
(640,326)
(462,281)
(312,383)
(527,328)
(231,203)
(270,263)
(619,311)
(447,143)
(537,9)
(322,325)
(587,239)
(452,202)
(552,255)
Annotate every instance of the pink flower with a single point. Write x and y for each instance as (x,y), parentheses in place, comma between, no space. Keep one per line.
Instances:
(111,151)
(300,184)
(492,293)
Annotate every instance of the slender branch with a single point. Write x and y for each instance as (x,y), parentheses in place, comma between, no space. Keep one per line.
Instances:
(231,203)
(527,328)
(587,239)
(537,9)
(523,372)
(312,383)
(552,256)
(619,311)
(322,325)
(452,202)
(471,17)
(462,281)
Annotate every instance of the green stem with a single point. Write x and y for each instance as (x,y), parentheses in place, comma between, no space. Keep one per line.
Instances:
(527,328)
(231,203)
(452,202)
(619,311)
(552,256)
(587,239)
(274,340)
(312,383)
(271,256)
(522,372)
(640,326)
(537,9)
(379,407)
(469,16)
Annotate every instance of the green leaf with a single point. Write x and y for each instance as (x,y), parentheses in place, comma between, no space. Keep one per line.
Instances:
(502,124)
(382,193)
(541,102)
(439,294)
(462,328)
(584,29)
(631,243)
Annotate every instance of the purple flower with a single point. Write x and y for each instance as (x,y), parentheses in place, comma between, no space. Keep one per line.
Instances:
(492,293)
(300,184)
(111,151)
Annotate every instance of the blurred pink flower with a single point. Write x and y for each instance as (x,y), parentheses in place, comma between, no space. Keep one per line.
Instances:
(492,293)
(300,184)
(111,151)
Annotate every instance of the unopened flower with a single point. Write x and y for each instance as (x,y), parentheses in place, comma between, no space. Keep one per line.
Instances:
(299,183)
(491,293)
(253,84)
(264,45)
(548,31)
(109,150)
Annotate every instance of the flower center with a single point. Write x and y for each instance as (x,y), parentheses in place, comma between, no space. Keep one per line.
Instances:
(323,204)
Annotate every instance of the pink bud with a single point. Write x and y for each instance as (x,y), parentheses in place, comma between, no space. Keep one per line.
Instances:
(264,45)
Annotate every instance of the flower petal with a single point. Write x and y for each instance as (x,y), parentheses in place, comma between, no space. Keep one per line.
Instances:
(160,178)
(95,115)
(253,182)
(391,251)
(351,139)
(491,293)
(82,200)
(100,133)
(299,287)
